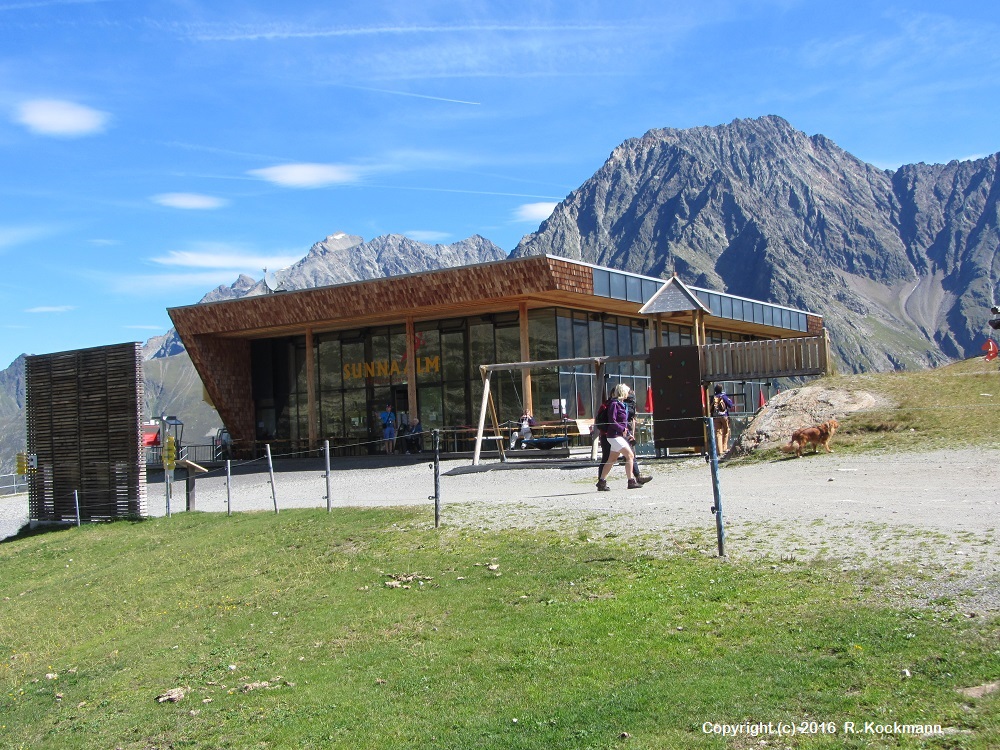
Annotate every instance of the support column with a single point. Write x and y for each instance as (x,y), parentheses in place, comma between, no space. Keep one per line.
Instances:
(522,313)
(311,405)
(411,368)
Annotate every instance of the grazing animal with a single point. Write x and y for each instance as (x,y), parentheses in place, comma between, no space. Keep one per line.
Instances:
(821,434)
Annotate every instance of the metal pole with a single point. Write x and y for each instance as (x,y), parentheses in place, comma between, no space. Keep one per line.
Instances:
(713,454)
(229,483)
(329,495)
(437,479)
(270,471)
(76,502)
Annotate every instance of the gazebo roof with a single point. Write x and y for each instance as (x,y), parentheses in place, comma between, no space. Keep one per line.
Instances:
(674,296)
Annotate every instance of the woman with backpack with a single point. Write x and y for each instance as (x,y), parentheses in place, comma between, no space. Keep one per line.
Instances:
(616,430)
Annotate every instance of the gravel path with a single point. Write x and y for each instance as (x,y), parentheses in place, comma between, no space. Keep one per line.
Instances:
(935,513)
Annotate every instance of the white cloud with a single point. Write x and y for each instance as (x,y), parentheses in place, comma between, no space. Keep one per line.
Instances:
(223,256)
(61,118)
(51,309)
(189,200)
(308,175)
(17,235)
(426,235)
(534,211)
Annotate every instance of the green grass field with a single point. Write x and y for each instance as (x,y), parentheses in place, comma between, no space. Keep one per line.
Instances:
(371,629)
(283,633)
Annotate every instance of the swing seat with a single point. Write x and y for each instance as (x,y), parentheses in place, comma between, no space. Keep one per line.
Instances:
(545,443)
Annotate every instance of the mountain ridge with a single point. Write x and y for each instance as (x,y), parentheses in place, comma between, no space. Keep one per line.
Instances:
(759,209)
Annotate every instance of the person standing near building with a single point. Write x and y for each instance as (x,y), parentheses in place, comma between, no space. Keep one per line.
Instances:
(388,418)
(618,433)
(722,405)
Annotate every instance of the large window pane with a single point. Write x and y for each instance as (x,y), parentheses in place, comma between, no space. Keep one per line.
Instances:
(564,333)
(356,413)
(453,355)
(331,414)
(330,364)
(427,346)
(542,339)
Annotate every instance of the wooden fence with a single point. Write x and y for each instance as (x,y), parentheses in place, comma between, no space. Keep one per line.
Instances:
(776,358)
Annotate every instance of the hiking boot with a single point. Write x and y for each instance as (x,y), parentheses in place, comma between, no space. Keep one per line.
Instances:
(633,484)
(602,486)
(643,480)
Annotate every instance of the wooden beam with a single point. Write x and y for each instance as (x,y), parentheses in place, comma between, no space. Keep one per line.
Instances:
(522,311)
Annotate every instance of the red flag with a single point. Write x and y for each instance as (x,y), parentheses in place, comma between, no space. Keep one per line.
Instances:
(581,410)
(761,401)
(649,400)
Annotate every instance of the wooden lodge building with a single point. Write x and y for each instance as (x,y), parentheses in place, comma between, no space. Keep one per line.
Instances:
(321,363)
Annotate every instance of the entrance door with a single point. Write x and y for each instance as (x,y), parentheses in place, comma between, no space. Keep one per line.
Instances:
(401,401)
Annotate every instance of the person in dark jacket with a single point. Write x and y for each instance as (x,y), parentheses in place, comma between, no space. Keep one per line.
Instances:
(721,406)
(617,433)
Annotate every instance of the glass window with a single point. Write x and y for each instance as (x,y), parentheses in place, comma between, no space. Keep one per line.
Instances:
(624,345)
(564,331)
(727,307)
(649,288)
(618,289)
(581,337)
(715,304)
(427,350)
(602,283)
(508,340)
(454,405)
(786,318)
(397,356)
(453,355)
(758,312)
(633,289)
(429,400)
(356,413)
(330,366)
(542,339)
(768,315)
(331,414)
(481,348)
(353,368)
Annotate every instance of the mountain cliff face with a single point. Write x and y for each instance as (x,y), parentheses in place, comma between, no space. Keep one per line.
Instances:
(900,264)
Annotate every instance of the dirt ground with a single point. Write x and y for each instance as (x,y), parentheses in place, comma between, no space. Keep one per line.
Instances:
(935,513)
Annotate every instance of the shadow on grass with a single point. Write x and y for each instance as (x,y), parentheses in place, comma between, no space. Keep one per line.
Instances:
(28,531)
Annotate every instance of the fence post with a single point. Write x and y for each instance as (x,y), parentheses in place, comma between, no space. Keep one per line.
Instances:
(270,471)
(229,482)
(76,502)
(713,453)
(329,496)
(437,478)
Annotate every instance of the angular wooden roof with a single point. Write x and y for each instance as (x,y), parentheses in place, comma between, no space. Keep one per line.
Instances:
(674,296)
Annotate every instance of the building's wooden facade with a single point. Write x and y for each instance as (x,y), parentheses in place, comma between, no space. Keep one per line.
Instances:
(321,363)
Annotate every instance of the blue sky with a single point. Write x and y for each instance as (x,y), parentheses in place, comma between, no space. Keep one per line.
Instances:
(153,150)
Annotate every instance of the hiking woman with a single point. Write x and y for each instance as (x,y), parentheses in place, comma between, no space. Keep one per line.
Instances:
(618,434)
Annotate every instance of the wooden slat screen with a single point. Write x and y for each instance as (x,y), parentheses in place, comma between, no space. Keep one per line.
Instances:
(776,358)
(84,417)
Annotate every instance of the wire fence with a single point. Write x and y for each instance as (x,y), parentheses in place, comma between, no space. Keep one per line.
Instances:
(253,476)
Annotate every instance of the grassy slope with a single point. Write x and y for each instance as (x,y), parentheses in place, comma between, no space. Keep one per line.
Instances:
(953,406)
(566,644)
